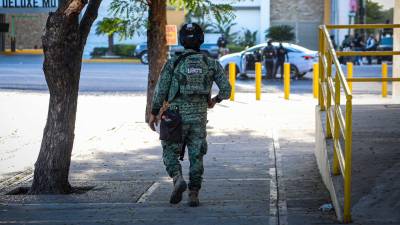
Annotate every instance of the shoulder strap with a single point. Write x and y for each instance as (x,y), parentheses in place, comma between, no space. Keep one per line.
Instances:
(185,55)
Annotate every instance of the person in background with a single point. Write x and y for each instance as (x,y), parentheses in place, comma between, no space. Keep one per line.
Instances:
(281,55)
(387,31)
(333,41)
(222,43)
(269,55)
(359,45)
(371,46)
(345,46)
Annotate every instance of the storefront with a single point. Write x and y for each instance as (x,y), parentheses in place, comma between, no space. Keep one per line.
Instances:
(22,22)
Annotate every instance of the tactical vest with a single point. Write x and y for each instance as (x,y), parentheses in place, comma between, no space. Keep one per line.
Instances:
(269,53)
(281,54)
(193,75)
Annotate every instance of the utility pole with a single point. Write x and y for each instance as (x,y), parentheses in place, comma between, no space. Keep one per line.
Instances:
(362,15)
(13,35)
(2,33)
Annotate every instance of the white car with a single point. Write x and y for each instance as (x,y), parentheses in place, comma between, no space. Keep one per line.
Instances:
(300,58)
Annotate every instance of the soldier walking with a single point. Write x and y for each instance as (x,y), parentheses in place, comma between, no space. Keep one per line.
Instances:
(281,54)
(269,55)
(185,83)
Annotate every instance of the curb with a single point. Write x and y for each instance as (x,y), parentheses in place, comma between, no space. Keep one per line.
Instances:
(322,156)
(282,204)
(40,52)
(133,61)
(278,204)
(23,52)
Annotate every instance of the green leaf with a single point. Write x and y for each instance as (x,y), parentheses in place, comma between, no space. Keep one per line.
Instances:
(280,33)
(135,13)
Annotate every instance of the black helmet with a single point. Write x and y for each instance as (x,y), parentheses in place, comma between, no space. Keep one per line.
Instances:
(191,36)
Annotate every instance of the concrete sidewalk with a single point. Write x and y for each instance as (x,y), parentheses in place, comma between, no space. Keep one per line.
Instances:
(259,168)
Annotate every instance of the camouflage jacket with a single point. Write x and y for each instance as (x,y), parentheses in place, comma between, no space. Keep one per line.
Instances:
(169,87)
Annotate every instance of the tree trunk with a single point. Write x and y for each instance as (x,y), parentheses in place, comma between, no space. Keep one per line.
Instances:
(157,49)
(110,44)
(63,43)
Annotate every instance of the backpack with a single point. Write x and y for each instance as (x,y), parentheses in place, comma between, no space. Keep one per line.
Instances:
(194,76)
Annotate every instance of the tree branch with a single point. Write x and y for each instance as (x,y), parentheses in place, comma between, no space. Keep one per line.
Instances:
(145,2)
(74,7)
(88,18)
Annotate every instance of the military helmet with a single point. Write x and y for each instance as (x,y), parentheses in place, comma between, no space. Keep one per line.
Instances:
(191,36)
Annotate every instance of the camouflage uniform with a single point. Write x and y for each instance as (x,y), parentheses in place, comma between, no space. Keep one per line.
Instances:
(189,96)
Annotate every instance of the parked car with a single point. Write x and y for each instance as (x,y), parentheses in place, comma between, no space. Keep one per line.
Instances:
(207,48)
(385,44)
(141,52)
(301,59)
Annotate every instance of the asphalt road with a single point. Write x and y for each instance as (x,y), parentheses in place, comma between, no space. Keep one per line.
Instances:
(25,73)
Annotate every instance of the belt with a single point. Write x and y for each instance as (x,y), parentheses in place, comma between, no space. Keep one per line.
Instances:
(191,98)
(185,108)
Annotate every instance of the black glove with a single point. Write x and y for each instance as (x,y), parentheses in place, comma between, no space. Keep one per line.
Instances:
(216,99)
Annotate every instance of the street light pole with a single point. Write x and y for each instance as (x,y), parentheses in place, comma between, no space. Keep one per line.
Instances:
(13,39)
(2,34)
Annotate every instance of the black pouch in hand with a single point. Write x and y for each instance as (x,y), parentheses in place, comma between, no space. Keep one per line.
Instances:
(171,126)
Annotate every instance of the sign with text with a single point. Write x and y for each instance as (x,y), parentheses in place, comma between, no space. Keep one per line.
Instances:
(28,6)
(171,34)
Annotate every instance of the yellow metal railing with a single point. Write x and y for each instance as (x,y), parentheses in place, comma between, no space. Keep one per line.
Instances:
(339,124)
(336,121)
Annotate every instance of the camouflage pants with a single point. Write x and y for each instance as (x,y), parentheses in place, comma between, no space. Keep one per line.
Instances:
(195,138)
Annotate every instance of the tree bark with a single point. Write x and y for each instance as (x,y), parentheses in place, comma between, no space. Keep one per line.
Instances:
(110,44)
(63,42)
(157,49)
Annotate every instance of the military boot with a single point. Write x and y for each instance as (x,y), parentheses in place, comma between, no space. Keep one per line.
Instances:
(179,187)
(194,197)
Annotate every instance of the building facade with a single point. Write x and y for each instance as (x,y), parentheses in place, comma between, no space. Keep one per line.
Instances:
(27,29)
(303,15)
(254,15)
(342,12)
(25,21)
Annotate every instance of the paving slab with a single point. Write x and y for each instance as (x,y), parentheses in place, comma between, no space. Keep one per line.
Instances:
(239,190)
(304,190)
